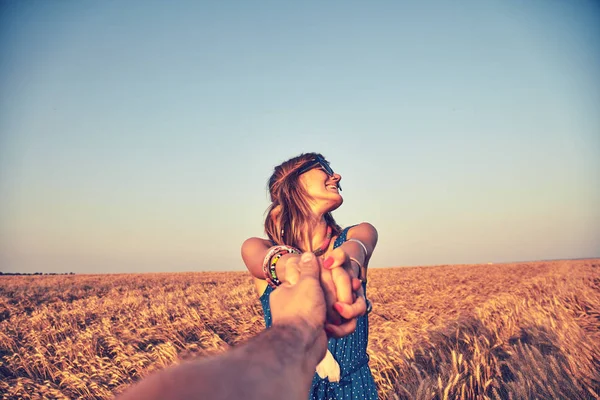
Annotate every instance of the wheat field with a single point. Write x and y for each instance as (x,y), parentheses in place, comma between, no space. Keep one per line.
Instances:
(503,331)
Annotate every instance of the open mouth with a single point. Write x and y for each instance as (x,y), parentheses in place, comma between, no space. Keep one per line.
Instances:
(332,187)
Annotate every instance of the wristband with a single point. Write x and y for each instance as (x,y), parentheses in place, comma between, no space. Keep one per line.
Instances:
(270,262)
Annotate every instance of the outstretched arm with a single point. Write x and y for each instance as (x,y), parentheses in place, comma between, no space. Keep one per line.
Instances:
(353,256)
(278,363)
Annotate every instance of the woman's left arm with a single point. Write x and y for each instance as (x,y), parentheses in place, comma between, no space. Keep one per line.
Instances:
(359,245)
(353,256)
(361,242)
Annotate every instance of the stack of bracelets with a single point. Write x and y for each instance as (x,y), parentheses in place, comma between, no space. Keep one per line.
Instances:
(271,259)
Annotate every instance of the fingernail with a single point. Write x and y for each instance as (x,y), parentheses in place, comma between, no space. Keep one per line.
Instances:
(338,307)
(328,262)
(306,257)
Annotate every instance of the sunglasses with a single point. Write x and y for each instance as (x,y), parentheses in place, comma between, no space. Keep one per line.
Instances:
(318,160)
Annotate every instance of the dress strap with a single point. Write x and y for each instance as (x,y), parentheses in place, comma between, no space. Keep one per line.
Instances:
(342,237)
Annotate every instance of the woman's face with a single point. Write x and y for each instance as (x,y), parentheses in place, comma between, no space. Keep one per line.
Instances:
(322,189)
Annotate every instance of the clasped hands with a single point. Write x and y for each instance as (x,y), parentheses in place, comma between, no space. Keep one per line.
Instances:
(322,293)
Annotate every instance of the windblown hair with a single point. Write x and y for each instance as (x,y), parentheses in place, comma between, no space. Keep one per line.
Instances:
(289,212)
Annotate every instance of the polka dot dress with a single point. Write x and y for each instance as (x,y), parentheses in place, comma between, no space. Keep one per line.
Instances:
(350,352)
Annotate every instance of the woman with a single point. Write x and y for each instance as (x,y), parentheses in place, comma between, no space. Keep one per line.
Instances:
(304,191)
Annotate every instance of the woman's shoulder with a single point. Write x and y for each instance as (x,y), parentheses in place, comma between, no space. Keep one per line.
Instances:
(364,232)
(364,228)
(256,241)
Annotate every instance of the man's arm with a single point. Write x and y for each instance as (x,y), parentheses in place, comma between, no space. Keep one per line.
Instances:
(278,363)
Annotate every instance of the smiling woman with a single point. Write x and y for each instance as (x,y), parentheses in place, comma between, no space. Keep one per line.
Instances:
(304,192)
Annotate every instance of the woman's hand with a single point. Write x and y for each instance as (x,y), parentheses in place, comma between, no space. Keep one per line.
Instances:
(351,302)
(342,292)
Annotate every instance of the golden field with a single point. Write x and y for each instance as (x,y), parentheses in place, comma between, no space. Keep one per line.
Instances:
(502,331)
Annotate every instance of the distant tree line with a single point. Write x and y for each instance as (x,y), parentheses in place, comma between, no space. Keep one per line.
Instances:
(37,273)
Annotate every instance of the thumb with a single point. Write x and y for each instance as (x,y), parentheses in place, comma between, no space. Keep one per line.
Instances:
(309,267)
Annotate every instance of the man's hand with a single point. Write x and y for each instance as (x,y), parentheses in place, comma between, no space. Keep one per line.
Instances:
(302,304)
(300,298)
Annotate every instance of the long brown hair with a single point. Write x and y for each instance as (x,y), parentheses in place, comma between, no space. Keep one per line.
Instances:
(289,211)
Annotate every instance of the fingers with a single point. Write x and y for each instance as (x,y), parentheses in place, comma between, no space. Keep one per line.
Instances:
(360,292)
(292,273)
(309,267)
(300,267)
(341,277)
(339,258)
(336,258)
(343,285)
(329,291)
(354,310)
(348,302)
(338,331)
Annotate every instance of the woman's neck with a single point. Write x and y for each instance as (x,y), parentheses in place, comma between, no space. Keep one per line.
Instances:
(315,232)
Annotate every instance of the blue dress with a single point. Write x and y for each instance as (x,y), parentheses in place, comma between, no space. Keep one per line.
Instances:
(356,380)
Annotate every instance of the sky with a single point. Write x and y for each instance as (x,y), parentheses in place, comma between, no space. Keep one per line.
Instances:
(139,136)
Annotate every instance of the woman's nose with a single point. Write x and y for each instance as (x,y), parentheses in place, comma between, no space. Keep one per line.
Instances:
(337,178)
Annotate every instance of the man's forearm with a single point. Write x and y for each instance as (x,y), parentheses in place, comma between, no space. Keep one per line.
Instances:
(278,363)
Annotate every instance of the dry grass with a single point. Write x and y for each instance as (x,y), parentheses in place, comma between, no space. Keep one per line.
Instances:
(506,331)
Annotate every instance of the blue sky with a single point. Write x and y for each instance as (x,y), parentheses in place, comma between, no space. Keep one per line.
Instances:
(139,136)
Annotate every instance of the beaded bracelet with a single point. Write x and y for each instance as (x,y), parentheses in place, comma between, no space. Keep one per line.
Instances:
(270,261)
(272,270)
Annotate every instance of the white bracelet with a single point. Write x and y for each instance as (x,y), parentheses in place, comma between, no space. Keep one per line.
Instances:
(361,243)
(356,261)
(360,268)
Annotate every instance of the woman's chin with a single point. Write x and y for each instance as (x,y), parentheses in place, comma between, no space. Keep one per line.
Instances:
(337,203)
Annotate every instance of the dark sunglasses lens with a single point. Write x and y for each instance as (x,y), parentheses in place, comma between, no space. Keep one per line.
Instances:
(324,165)
(327,168)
